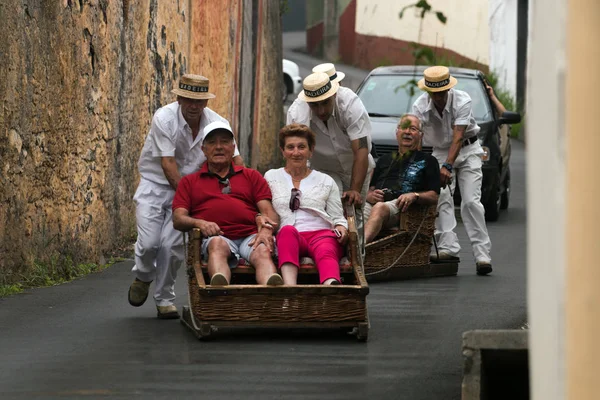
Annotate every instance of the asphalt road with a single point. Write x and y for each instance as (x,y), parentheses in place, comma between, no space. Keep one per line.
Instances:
(83,340)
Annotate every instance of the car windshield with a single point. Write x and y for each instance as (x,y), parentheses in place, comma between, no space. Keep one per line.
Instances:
(390,95)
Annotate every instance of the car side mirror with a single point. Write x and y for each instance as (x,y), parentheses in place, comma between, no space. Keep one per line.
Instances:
(509,117)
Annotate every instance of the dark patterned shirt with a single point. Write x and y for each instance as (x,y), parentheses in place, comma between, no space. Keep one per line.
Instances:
(413,172)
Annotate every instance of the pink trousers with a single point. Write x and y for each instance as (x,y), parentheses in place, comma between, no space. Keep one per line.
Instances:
(322,246)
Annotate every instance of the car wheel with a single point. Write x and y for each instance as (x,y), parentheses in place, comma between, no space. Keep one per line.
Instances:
(288,86)
(492,206)
(505,198)
(284,91)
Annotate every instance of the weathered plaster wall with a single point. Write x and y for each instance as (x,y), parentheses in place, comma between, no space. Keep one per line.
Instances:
(466,31)
(503,42)
(240,52)
(267,75)
(80,82)
(214,50)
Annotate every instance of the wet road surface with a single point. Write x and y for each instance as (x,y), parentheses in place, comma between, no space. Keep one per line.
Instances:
(83,340)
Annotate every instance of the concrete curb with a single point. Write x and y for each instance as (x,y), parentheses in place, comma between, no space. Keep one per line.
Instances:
(495,364)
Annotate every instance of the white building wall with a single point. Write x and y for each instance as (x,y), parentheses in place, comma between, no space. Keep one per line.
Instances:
(546,203)
(503,42)
(465,32)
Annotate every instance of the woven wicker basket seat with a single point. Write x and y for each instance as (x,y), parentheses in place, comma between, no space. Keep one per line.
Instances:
(244,303)
(404,252)
(307,272)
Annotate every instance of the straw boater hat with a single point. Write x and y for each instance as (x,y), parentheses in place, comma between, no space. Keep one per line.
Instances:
(329,69)
(317,87)
(437,79)
(193,87)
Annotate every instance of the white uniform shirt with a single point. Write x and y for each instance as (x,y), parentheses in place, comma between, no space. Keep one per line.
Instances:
(171,136)
(349,121)
(437,131)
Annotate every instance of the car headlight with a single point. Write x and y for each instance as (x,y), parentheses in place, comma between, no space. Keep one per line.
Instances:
(486,154)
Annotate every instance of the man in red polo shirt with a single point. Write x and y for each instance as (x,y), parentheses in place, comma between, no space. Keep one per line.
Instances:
(223,201)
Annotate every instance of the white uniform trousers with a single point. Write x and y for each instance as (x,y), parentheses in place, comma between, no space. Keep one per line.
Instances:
(159,248)
(343,182)
(467,171)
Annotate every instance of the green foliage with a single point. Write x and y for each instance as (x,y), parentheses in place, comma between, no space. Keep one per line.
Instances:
(409,86)
(424,8)
(56,257)
(284,7)
(406,123)
(441,17)
(7,290)
(516,129)
(384,62)
(56,267)
(508,101)
(56,272)
(49,274)
(424,55)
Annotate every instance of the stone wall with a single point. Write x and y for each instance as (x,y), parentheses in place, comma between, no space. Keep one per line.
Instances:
(80,82)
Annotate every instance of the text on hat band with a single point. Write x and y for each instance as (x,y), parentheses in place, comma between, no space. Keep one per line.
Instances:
(319,91)
(437,84)
(197,89)
(332,77)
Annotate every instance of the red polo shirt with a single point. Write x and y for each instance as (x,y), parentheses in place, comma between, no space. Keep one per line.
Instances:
(201,194)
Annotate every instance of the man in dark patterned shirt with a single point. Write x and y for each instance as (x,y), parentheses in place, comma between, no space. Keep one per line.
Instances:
(401,179)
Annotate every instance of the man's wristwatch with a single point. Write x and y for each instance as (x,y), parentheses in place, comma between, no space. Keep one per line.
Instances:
(448,166)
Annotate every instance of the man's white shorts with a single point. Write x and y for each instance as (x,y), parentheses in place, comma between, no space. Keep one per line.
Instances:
(392,220)
(239,249)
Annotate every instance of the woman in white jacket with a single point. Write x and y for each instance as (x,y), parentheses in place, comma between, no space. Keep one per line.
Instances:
(308,202)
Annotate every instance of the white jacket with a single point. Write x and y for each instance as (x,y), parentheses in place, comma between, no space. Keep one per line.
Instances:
(320,197)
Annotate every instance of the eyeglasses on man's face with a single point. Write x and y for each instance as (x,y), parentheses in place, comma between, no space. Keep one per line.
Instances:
(295,199)
(411,129)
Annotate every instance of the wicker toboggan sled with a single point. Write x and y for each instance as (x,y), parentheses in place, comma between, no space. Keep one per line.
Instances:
(404,253)
(245,304)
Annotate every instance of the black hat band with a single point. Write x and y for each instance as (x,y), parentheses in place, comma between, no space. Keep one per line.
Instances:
(320,91)
(332,77)
(195,89)
(439,84)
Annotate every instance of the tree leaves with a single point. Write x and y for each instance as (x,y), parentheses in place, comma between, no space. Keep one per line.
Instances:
(441,17)
(422,55)
(424,8)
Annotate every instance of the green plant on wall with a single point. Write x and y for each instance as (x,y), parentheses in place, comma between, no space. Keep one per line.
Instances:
(422,55)
(425,8)
(53,263)
(509,102)
(284,7)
